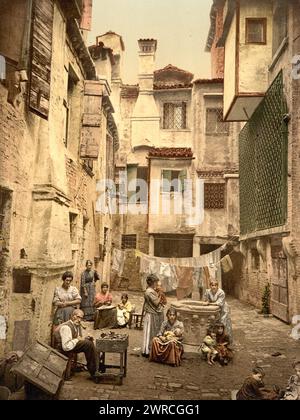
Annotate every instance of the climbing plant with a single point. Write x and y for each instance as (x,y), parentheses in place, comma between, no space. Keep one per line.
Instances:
(266,310)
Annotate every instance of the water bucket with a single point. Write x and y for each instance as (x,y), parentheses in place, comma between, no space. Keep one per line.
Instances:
(4,393)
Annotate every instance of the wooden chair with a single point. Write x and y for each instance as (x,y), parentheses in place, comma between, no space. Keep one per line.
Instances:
(136,320)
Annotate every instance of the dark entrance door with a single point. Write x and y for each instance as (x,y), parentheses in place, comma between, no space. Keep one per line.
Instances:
(279,299)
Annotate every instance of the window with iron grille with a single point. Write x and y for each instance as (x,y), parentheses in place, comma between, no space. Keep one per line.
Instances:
(128,241)
(215,123)
(174,116)
(256,31)
(214,196)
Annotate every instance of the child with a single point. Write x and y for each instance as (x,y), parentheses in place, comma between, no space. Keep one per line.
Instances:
(208,347)
(123,311)
(293,389)
(162,296)
(254,388)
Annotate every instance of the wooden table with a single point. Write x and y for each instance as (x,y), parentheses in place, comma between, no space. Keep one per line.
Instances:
(111,343)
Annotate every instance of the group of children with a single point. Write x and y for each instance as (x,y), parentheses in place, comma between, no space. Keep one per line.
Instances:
(215,346)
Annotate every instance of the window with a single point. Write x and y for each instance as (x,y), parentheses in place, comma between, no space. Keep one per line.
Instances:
(174,116)
(137,178)
(73,227)
(215,123)
(214,196)
(21,281)
(280,18)
(128,241)
(173,181)
(256,31)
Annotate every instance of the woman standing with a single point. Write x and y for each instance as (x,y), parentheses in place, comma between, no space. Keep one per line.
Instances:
(216,296)
(154,315)
(167,347)
(88,291)
(66,299)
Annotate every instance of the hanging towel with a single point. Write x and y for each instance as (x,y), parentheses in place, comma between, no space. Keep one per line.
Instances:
(118,260)
(226,264)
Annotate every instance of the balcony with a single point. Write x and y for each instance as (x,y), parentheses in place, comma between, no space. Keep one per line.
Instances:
(247,38)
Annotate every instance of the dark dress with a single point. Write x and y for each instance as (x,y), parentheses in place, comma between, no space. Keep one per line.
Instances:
(88,291)
(253,390)
(225,354)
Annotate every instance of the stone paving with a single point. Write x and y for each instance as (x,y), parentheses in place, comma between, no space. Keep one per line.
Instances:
(256,339)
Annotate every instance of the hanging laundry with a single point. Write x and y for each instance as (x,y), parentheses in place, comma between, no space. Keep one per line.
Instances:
(185,281)
(226,264)
(118,260)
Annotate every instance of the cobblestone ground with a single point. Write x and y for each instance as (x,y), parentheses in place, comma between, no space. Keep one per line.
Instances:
(256,339)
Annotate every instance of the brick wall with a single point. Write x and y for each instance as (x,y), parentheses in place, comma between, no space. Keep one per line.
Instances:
(218,54)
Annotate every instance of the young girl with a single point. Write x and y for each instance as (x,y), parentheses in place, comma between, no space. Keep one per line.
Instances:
(208,347)
(293,389)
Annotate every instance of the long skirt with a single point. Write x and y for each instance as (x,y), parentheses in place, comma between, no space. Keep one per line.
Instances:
(87,302)
(169,353)
(225,319)
(152,324)
(63,315)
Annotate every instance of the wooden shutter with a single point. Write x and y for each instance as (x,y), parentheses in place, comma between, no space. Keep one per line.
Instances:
(183,178)
(91,122)
(42,32)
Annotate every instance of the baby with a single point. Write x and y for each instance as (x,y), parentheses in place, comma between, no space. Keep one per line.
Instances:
(208,347)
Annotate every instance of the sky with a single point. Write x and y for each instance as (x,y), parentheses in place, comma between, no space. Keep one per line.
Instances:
(180,27)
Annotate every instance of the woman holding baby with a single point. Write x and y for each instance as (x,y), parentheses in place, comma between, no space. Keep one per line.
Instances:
(167,346)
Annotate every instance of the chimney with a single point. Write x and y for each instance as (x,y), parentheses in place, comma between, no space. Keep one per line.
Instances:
(145,119)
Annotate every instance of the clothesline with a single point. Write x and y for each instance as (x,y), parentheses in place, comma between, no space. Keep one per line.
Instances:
(180,274)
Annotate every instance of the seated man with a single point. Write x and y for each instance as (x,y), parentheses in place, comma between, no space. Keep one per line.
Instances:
(68,340)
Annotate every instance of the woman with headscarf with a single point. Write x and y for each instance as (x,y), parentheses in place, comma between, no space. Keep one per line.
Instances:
(153,314)
(167,346)
(88,291)
(66,299)
(216,296)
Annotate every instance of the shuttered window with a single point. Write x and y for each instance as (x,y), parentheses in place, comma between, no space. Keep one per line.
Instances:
(91,123)
(173,181)
(42,32)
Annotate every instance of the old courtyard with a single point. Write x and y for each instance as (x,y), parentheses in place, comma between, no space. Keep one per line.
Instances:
(256,339)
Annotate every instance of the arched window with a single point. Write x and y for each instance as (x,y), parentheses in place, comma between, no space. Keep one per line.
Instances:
(2,68)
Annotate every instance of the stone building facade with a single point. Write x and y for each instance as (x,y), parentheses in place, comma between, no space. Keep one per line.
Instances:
(171,129)
(55,122)
(261,40)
